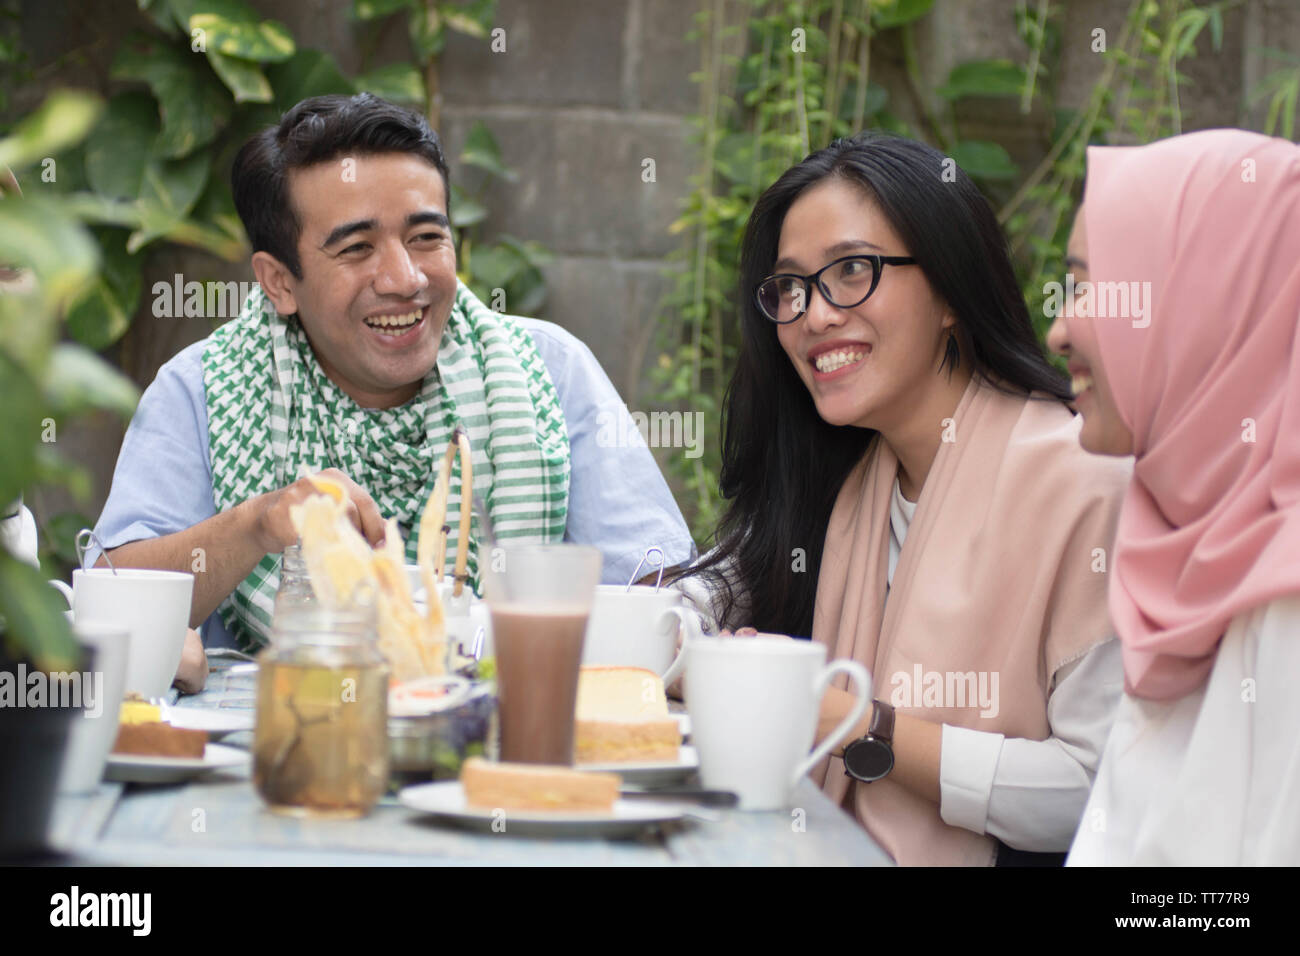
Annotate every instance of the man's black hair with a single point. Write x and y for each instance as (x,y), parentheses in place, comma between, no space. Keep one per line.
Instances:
(317,130)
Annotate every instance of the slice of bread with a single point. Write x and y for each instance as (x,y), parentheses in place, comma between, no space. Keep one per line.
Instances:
(522,786)
(159,740)
(142,732)
(622,717)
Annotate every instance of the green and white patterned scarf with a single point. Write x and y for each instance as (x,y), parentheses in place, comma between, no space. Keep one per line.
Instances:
(274,416)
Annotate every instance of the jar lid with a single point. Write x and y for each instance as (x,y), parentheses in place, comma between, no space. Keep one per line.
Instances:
(427,695)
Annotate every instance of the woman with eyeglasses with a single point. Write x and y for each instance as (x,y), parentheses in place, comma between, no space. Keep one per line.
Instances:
(905,486)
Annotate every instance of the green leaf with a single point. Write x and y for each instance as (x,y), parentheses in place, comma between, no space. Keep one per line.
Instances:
(895,13)
(160,12)
(101,210)
(167,194)
(984,78)
(217,207)
(98,318)
(61,535)
(21,414)
(399,82)
(465,210)
(531,252)
(1187,27)
(102,313)
(244,78)
(427,34)
(121,145)
(482,152)
(172,188)
(193,104)
(876,99)
(77,379)
(186,232)
(233,28)
(472,19)
(61,121)
(374,9)
(983,160)
(39,233)
(53,470)
(36,624)
(306,73)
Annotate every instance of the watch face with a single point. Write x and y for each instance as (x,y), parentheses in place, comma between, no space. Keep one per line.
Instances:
(869,759)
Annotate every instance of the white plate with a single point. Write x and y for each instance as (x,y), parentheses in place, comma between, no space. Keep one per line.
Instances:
(446,801)
(135,768)
(652,774)
(216,721)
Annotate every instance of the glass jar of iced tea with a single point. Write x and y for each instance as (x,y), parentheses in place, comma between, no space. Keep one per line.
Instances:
(320,745)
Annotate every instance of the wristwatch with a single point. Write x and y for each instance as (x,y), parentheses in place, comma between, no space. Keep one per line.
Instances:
(871,757)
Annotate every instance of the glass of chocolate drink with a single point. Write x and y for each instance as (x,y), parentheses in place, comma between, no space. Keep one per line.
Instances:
(539,596)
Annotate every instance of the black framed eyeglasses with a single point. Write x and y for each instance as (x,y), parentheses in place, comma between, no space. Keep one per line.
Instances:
(844,283)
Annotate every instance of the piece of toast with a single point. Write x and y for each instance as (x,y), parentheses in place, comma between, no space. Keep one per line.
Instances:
(522,786)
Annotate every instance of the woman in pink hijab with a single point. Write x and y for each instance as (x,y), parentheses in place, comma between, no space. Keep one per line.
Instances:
(1201,384)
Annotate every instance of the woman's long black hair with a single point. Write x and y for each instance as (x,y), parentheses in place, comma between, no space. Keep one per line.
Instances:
(782,464)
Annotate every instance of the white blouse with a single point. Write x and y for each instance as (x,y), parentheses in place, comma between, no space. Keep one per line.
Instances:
(1212,778)
(1029,794)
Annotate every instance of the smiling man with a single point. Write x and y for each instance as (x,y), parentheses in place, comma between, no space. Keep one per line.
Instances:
(359,353)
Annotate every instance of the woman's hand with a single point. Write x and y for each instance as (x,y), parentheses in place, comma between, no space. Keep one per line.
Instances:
(192,673)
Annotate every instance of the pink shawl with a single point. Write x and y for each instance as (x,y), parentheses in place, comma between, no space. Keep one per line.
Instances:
(1003,573)
(1210,389)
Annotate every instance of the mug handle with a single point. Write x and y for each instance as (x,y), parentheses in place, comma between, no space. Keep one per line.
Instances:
(862,680)
(63,589)
(690,623)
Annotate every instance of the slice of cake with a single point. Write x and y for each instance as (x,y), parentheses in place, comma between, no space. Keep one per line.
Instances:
(524,786)
(622,716)
(142,732)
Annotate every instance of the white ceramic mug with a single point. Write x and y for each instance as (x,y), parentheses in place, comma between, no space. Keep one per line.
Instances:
(465,615)
(638,627)
(94,732)
(754,703)
(154,606)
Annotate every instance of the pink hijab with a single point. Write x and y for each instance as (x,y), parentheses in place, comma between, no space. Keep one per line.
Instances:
(1210,389)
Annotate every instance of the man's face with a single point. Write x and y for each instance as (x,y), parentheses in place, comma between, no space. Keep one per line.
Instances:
(378,272)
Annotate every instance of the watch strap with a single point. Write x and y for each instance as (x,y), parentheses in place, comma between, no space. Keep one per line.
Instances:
(882,721)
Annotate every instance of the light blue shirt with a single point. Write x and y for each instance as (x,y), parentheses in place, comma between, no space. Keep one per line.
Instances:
(618,500)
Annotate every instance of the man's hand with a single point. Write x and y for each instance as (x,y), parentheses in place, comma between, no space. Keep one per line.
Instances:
(192,673)
(221,550)
(275,529)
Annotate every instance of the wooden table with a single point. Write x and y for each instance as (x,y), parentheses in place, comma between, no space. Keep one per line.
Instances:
(219,820)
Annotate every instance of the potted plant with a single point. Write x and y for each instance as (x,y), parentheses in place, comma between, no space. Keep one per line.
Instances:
(50,255)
